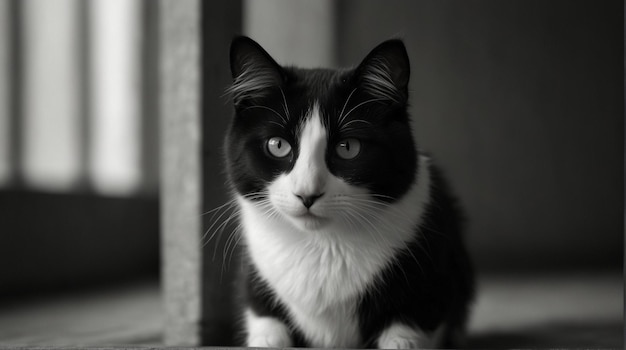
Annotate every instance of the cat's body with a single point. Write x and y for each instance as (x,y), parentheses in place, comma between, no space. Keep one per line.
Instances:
(352,239)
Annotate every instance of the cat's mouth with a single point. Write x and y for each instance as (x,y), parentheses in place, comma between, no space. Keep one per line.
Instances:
(311,221)
(308,215)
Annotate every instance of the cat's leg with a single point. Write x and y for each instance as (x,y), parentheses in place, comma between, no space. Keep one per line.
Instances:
(266,332)
(401,336)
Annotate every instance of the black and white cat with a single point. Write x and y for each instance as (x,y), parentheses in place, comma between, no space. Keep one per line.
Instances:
(351,237)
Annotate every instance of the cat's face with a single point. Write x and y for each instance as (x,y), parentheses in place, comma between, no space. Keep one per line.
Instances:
(320,147)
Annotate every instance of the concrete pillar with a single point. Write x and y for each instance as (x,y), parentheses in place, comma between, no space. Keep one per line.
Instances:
(181,185)
(194,71)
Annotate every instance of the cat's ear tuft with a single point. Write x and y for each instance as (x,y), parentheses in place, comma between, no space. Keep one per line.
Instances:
(253,70)
(385,72)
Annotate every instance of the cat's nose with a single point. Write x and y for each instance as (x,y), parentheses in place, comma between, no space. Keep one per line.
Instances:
(308,200)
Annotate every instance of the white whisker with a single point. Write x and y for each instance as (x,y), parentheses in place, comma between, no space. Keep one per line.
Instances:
(359,105)
(344,106)
(215,221)
(344,126)
(271,110)
(285,107)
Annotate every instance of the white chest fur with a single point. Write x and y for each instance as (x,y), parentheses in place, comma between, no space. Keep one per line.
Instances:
(315,277)
(320,274)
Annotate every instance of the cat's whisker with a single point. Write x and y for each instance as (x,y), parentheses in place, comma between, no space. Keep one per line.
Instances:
(271,110)
(348,219)
(255,195)
(345,126)
(264,204)
(268,209)
(225,223)
(424,249)
(225,210)
(239,238)
(407,250)
(219,212)
(372,196)
(375,207)
(274,214)
(276,123)
(373,230)
(228,203)
(222,217)
(236,232)
(221,229)
(377,217)
(406,278)
(344,106)
(226,266)
(231,238)
(371,202)
(428,225)
(285,103)
(350,209)
(378,205)
(358,226)
(359,105)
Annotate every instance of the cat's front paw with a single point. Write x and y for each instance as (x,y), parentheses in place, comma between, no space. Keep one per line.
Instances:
(269,341)
(400,343)
(399,336)
(266,332)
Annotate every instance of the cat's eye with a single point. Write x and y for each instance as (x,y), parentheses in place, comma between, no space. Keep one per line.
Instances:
(278,147)
(348,148)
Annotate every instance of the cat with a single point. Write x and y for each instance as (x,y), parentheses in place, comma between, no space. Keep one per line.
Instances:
(351,237)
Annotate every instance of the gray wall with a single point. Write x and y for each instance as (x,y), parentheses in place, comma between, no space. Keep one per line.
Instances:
(521,103)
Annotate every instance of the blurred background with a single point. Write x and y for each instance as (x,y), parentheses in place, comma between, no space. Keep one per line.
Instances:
(520,102)
(78,143)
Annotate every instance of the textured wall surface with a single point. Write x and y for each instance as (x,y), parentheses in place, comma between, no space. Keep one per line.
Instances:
(181,185)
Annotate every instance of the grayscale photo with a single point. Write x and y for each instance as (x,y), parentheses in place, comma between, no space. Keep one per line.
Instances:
(353,174)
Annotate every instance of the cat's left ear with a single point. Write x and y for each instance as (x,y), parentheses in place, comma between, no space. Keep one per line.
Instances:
(385,72)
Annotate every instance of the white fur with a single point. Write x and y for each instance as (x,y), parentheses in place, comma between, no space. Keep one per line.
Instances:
(309,175)
(319,261)
(266,332)
(400,336)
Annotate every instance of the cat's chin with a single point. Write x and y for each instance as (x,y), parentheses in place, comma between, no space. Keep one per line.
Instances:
(309,222)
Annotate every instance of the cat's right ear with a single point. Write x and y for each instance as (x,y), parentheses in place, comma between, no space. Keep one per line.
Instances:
(254,71)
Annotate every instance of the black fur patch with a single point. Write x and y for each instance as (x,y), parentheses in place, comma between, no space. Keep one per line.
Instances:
(430,282)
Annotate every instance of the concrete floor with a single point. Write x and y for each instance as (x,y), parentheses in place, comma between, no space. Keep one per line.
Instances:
(564,311)
(125,315)
(549,311)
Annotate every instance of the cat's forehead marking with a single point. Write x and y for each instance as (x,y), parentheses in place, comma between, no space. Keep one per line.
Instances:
(312,127)
(309,173)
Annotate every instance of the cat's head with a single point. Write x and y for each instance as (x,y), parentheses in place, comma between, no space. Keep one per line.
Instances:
(312,144)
